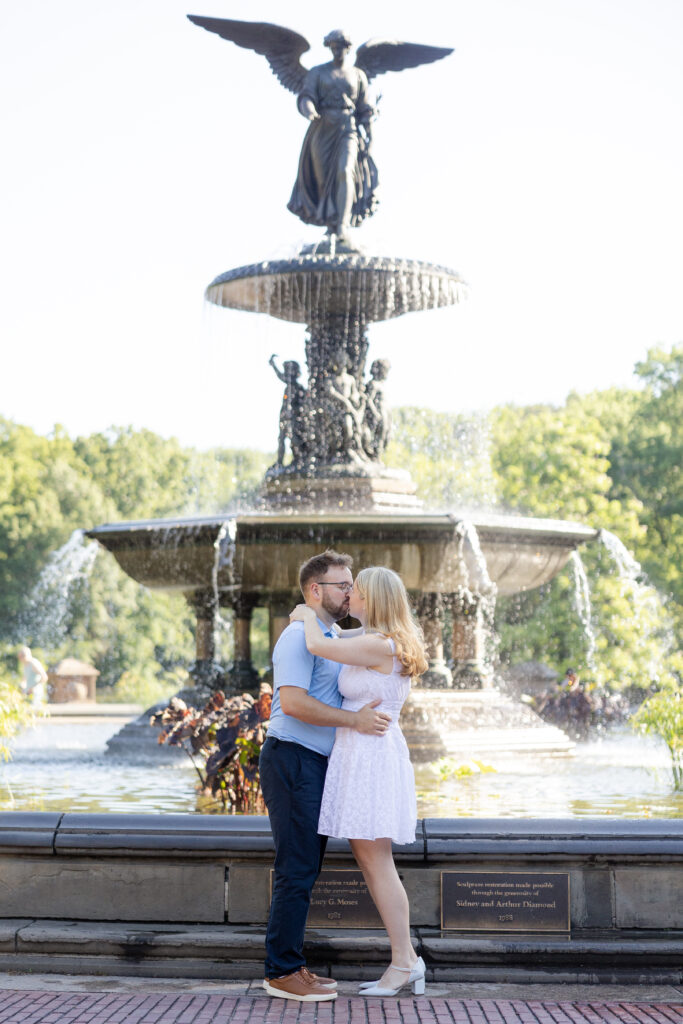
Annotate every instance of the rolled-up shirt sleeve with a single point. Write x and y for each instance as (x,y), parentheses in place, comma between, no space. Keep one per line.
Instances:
(292,661)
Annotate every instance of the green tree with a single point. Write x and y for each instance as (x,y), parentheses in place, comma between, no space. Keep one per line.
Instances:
(647,462)
(224,479)
(555,462)
(51,486)
(144,475)
(46,494)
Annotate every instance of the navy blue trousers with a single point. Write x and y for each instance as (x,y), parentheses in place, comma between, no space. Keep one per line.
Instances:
(292,781)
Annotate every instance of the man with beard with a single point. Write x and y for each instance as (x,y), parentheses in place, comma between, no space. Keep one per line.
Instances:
(306,709)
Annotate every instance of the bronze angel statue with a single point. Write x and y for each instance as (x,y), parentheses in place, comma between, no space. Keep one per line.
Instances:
(337,179)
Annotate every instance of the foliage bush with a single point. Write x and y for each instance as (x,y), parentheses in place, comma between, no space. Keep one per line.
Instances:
(662,715)
(16,713)
(223,740)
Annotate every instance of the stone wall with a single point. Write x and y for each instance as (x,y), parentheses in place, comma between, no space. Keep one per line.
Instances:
(150,875)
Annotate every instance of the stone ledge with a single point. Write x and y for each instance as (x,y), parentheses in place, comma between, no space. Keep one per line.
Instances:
(437,839)
(631,950)
(9,929)
(77,964)
(29,830)
(225,951)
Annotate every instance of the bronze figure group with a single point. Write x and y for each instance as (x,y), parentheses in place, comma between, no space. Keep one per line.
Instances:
(357,418)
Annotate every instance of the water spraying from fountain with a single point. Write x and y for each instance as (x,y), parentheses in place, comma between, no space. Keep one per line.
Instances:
(628,568)
(645,602)
(47,614)
(582,602)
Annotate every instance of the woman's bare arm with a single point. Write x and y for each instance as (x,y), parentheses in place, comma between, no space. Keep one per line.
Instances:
(369,651)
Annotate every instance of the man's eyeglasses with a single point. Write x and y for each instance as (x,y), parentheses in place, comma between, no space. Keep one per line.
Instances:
(345,588)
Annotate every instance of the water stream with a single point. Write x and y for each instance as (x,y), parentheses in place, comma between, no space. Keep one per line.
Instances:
(47,615)
(582,604)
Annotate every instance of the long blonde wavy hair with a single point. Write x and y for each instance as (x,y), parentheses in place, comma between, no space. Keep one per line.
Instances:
(387,611)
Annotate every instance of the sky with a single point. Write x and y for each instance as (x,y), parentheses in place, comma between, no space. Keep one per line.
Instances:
(543,161)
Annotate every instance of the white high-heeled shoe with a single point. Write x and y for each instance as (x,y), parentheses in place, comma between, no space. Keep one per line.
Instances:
(371,984)
(416,978)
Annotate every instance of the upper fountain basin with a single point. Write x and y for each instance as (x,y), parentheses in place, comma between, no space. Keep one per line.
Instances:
(312,286)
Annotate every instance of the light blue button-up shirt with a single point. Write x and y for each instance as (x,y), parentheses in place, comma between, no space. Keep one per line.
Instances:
(294,665)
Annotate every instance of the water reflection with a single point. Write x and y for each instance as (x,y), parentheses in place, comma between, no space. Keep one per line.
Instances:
(61,766)
(621,775)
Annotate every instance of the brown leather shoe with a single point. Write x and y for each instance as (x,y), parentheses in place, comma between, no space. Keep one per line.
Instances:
(300,986)
(325,982)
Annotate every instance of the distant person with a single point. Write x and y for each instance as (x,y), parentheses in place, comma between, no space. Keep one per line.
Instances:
(33,683)
(570,681)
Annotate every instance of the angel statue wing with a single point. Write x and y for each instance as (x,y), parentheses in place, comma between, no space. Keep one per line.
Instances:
(281,47)
(380,55)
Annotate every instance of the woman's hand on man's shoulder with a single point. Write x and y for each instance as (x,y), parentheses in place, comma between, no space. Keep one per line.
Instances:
(300,613)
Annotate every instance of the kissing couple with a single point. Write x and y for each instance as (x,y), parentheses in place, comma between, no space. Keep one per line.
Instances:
(335,763)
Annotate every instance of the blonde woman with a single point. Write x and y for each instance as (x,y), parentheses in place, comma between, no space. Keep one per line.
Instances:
(369,795)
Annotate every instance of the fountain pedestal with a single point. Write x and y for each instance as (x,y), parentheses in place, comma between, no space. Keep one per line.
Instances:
(205,671)
(352,488)
(336,426)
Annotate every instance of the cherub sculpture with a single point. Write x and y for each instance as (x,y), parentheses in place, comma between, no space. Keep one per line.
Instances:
(347,408)
(292,412)
(337,178)
(377,418)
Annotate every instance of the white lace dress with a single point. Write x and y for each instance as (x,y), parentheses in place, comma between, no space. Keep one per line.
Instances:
(370,783)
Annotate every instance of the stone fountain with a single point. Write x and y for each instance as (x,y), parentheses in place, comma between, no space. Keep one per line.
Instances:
(329,486)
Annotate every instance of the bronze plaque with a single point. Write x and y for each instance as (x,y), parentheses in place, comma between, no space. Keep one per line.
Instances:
(340,899)
(502,901)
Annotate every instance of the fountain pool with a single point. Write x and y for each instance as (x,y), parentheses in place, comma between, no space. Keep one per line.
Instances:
(61,765)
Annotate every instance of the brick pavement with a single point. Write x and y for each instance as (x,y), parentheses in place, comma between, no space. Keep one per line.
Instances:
(20,1006)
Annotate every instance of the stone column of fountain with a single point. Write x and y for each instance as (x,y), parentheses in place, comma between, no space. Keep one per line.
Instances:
(205,671)
(430,612)
(242,674)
